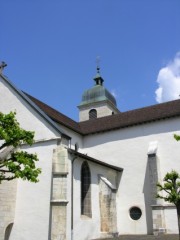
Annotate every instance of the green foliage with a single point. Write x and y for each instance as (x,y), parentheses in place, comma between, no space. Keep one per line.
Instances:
(16,163)
(171,187)
(177,137)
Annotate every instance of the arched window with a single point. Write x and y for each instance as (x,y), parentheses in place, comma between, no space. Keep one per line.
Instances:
(92,114)
(85,190)
(8,231)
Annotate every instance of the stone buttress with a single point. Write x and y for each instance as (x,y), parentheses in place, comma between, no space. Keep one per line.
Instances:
(59,193)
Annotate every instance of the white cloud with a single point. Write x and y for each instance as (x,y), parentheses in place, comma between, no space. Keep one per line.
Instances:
(169,81)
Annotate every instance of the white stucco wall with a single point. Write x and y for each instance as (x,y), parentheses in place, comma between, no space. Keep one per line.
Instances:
(76,138)
(127,148)
(85,227)
(33,199)
(171,220)
(28,118)
(31,219)
(104,108)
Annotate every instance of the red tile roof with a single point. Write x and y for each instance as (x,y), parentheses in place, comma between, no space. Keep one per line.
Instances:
(116,121)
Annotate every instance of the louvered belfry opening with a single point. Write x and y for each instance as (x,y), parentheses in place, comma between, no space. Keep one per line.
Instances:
(92,114)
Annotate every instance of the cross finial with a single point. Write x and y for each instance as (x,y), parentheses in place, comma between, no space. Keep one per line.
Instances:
(98,63)
(98,79)
(2,66)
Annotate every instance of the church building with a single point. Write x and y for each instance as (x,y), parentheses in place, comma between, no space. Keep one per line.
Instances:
(99,175)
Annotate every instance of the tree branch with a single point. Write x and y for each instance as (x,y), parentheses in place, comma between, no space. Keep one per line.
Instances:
(166,191)
(9,178)
(4,171)
(4,161)
(3,145)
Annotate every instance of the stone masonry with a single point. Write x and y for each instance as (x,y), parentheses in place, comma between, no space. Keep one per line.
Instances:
(107,208)
(59,194)
(7,205)
(159,225)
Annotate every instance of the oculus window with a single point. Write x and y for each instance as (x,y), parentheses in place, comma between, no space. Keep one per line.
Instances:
(135,213)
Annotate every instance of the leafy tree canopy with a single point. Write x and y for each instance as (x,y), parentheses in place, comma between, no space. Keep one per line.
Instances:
(171,187)
(15,163)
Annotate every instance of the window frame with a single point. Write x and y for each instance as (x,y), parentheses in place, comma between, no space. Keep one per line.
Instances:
(86,190)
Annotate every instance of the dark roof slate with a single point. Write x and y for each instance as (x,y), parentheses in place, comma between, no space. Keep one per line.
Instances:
(132,118)
(56,116)
(121,120)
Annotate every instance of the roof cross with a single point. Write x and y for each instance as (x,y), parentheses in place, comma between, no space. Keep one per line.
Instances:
(2,66)
(98,63)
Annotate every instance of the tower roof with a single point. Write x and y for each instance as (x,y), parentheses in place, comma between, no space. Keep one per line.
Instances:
(97,93)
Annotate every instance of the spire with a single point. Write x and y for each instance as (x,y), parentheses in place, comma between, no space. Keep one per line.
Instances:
(98,79)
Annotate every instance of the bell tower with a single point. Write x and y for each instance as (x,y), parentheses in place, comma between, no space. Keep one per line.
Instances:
(97,101)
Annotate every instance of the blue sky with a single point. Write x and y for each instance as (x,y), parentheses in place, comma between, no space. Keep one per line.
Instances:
(51,48)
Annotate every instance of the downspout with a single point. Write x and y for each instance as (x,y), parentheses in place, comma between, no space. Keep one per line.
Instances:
(72,205)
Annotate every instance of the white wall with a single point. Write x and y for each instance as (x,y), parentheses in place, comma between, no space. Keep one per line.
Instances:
(104,108)
(33,199)
(84,227)
(171,220)
(28,118)
(127,148)
(76,138)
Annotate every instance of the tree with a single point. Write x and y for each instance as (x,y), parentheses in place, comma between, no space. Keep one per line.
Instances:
(177,137)
(171,187)
(15,163)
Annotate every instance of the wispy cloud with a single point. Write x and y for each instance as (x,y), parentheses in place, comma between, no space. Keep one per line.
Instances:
(169,81)
(114,93)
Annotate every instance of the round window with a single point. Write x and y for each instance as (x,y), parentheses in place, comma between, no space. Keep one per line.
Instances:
(135,213)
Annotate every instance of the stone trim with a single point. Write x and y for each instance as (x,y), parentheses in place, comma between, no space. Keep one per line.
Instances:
(107,204)
(60,173)
(106,181)
(162,207)
(59,201)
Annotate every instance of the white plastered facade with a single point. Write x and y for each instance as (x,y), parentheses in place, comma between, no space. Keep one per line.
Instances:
(51,208)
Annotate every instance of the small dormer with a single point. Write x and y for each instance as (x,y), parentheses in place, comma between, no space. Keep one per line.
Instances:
(97,101)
